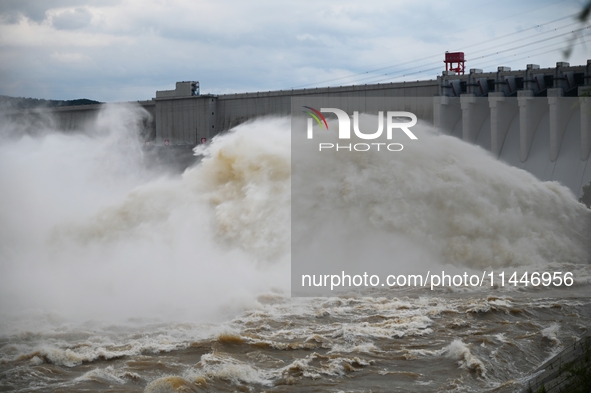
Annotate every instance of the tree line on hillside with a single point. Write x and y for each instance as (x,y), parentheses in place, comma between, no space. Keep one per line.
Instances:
(30,103)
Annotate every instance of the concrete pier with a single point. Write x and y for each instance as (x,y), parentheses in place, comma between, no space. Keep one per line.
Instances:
(535,119)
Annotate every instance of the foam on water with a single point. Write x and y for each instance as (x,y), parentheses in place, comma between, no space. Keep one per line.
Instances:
(459,351)
(550,333)
(108,374)
(227,368)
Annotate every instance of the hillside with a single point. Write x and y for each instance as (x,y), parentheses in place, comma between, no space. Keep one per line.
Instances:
(29,103)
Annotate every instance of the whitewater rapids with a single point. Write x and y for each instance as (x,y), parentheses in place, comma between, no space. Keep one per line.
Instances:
(115,274)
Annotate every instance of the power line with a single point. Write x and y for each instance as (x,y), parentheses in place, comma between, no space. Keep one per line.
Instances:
(470,46)
(546,50)
(437,64)
(535,42)
(527,38)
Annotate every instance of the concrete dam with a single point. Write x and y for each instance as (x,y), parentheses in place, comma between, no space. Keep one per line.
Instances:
(537,119)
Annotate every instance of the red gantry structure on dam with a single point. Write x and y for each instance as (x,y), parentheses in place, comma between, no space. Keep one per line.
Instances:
(456,58)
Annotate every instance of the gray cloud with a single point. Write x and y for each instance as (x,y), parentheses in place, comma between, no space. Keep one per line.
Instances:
(36,10)
(72,19)
(139,46)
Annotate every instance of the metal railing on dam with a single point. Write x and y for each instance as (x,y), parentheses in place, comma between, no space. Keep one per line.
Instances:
(567,372)
(535,119)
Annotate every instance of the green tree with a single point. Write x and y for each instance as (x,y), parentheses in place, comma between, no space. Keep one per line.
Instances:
(582,18)
(586,198)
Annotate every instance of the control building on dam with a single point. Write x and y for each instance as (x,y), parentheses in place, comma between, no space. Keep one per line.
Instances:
(538,119)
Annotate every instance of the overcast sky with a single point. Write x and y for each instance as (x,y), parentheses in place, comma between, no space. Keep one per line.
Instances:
(125,50)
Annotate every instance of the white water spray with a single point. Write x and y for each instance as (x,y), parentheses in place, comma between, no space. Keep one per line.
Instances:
(86,231)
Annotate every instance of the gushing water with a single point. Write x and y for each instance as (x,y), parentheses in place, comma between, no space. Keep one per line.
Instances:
(110,266)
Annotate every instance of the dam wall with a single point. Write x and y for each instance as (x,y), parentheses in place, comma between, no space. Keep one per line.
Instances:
(537,119)
(189,119)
